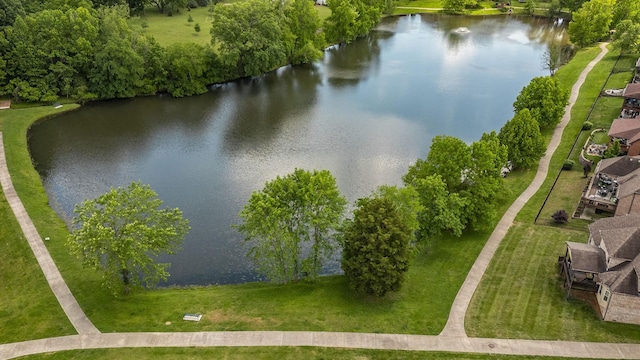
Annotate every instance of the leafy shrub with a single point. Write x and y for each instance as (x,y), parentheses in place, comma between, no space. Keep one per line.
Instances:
(568,164)
(202,3)
(587,125)
(560,217)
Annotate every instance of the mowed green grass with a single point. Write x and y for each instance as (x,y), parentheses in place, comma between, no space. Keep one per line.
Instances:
(421,307)
(175,29)
(28,308)
(521,295)
(266,353)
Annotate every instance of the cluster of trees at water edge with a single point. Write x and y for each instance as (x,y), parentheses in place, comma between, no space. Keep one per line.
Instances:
(297,221)
(84,50)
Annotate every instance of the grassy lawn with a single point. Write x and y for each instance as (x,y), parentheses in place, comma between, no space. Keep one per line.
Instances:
(275,353)
(174,29)
(521,296)
(422,307)
(29,309)
(484,7)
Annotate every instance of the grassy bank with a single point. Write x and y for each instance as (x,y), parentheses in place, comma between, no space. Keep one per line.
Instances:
(422,306)
(484,8)
(521,296)
(29,309)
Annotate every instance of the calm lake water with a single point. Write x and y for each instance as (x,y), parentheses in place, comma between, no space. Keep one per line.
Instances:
(365,112)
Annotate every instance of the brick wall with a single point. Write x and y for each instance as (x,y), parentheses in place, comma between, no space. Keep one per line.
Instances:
(623,308)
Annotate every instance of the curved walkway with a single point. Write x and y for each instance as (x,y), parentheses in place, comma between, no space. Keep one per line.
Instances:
(67,301)
(455,323)
(452,339)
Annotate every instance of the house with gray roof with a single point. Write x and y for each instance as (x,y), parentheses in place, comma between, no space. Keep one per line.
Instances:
(615,186)
(609,265)
(627,132)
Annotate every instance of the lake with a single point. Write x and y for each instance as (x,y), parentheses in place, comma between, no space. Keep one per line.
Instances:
(365,112)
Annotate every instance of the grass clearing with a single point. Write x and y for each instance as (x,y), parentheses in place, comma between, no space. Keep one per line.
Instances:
(29,309)
(175,29)
(530,284)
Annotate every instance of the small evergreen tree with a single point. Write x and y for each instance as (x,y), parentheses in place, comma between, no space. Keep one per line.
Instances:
(376,247)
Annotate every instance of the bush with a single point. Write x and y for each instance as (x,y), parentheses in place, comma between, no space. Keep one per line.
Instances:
(568,164)
(192,4)
(587,125)
(560,217)
(202,3)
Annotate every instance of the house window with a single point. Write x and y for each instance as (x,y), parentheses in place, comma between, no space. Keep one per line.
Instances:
(599,290)
(606,295)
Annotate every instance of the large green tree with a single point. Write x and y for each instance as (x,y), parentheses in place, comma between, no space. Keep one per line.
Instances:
(304,43)
(545,97)
(406,201)
(456,6)
(458,183)
(249,36)
(440,210)
(187,65)
(121,233)
(521,135)
(9,11)
(448,157)
(289,224)
(49,53)
(591,23)
(572,5)
(627,37)
(154,63)
(340,26)
(168,5)
(376,247)
(484,182)
(626,10)
(351,19)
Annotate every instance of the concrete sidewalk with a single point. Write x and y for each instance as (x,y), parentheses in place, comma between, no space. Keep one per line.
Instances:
(455,323)
(68,303)
(326,339)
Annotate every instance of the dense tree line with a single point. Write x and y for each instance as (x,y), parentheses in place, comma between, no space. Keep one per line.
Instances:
(85,50)
(593,21)
(85,53)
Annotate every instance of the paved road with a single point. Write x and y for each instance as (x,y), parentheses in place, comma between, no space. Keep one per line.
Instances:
(453,338)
